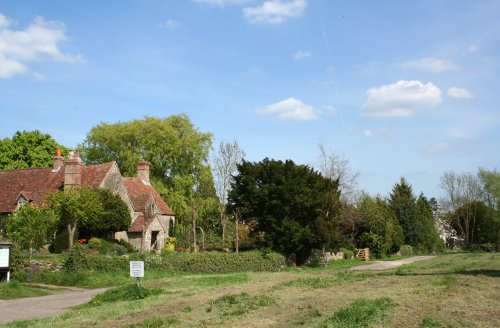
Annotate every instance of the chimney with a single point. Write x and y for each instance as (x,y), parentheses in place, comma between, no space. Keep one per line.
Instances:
(143,170)
(73,170)
(58,161)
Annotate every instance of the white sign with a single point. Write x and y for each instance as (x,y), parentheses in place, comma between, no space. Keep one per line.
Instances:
(4,257)
(137,269)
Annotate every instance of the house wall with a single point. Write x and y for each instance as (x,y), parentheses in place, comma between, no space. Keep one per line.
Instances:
(114,182)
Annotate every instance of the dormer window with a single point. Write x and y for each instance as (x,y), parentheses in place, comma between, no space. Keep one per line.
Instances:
(21,201)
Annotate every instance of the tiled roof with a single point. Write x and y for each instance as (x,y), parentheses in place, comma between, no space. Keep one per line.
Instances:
(138,224)
(37,183)
(139,194)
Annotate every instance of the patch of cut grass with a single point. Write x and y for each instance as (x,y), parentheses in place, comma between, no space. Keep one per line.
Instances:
(15,289)
(308,314)
(431,322)
(360,314)
(309,282)
(129,292)
(156,322)
(238,304)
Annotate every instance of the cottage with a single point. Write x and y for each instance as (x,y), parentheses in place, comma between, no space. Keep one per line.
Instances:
(150,216)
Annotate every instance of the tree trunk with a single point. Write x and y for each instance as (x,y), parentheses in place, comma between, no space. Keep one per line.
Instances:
(30,251)
(193,217)
(237,236)
(71,235)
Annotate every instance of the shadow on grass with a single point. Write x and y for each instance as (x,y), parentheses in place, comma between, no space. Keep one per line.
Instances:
(478,272)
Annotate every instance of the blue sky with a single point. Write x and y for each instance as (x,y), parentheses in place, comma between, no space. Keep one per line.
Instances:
(400,88)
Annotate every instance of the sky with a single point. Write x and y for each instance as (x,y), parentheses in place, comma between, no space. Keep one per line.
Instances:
(399,88)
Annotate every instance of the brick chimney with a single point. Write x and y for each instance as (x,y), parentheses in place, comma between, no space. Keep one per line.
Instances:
(143,171)
(73,170)
(58,160)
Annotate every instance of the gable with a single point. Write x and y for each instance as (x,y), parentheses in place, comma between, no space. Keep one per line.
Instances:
(140,194)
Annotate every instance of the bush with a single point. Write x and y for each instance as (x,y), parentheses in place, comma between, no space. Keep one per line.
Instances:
(406,250)
(128,246)
(95,243)
(60,242)
(348,254)
(124,293)
(374,242)
(488,247)
(111,247)
(76,260)
(17,262)
(216,262)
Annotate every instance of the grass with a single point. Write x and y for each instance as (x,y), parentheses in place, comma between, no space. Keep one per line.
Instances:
(361,313)
(451,290)
(15,289)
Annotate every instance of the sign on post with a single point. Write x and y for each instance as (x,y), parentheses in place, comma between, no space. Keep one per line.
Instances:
(5,258)
(137,270)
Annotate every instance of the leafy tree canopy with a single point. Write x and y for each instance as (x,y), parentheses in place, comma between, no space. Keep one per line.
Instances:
(94,210)
(293,206)
(28,149)
(31,227)
(177,151)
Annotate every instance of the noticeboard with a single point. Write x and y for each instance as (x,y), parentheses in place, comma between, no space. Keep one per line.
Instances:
(137,269)
(4,257)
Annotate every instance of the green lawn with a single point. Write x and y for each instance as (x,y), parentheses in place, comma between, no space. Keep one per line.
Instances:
(452,290)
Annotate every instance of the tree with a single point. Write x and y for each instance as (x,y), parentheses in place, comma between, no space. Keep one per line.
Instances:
(28,149)
(294,207)
(462,190)
(225,164)
(94,210)
(428,238)
(31,227)
(336,167)
(379,229)
(490,186)
(177,151)
(403,203)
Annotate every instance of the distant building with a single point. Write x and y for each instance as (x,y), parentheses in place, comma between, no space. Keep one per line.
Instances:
(150,216)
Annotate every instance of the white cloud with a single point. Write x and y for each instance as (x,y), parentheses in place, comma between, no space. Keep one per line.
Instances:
(302,54)
(169,24)
(430,65)
(275,11)
(401,99)
(38,76)
(4,21)
(39,41)
(460,93)
(290,109)
(368,133)
(222,3)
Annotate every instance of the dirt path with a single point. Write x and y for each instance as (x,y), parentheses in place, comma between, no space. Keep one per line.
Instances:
(382,265)
(45,306)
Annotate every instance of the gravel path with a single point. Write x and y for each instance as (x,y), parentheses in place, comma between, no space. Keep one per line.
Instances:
(45,306)
(382,265)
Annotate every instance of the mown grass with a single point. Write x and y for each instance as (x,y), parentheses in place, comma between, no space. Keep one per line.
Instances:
(15,289)
(452,290)
(360,314)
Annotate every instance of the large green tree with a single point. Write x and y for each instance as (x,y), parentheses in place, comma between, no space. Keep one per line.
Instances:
(379,228)
(31,227)
(293,207)
(177,151)
(403,203)
(94,210)
(28,149)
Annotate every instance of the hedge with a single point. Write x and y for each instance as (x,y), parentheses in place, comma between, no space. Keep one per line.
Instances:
(203,262)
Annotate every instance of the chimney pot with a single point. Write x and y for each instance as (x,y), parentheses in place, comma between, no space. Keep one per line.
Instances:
(143,170)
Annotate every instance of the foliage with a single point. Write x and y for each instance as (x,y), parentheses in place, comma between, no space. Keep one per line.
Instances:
(406,250)
(361,313)
(17,261)
(169,244)
(379,229)
(76,260)
(28,149)
(105,247)
(129,292)
(294,208)
(348,254)
(31,227)
(216,262)
(92,210)
(60,242)
(177,151)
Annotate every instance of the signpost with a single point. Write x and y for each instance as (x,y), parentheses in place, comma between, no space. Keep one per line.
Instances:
(137,271)
(5,250)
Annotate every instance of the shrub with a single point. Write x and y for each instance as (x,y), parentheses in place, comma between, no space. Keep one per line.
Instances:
(17,261)
(348,254)
(406,250)
(169,245)
(128,246)
(95,243)
(374,242)
(488,247)
(60,242)
(216,262)
(76,260)
(130,292)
